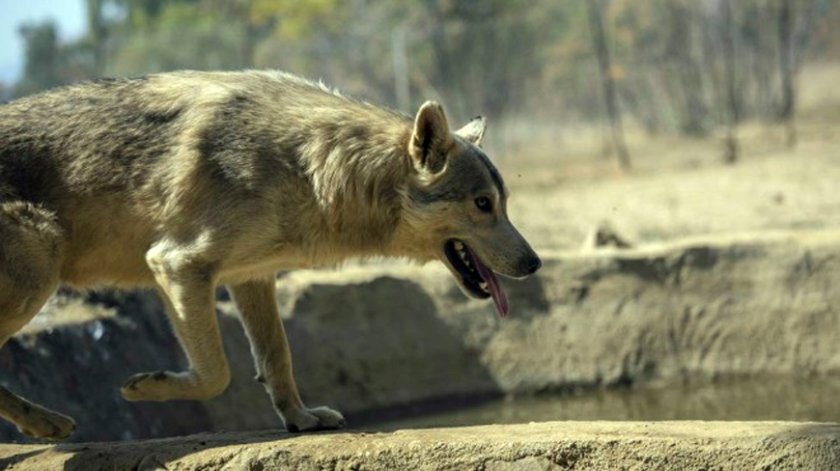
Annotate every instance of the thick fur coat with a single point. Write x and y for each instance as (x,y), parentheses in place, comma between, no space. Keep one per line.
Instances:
(184,181)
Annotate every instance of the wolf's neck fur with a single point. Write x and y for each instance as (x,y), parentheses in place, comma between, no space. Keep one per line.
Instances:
(359,173)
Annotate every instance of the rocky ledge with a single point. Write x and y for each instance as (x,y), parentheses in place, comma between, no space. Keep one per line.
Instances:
(535,446)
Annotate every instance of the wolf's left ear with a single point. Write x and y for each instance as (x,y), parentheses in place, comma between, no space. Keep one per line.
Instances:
(430,138)
(474,130)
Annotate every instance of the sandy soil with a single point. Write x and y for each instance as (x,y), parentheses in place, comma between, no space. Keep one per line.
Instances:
(679,188)
(535,446)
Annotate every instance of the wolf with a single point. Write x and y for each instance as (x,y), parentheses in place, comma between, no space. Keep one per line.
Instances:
(185,181)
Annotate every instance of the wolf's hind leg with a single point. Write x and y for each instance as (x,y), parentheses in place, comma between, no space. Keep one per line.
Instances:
(261,319)
(31,246)
(187,290)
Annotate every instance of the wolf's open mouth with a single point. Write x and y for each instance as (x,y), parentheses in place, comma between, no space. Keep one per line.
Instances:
(478,279)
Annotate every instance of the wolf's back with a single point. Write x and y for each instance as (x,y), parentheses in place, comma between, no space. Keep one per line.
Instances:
(109,136)
(88,137)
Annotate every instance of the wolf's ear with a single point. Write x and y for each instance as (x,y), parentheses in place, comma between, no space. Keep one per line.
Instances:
(474,130)
(430,138)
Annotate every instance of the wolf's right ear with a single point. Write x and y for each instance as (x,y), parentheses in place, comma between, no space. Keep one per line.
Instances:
(474,130)
(430,138)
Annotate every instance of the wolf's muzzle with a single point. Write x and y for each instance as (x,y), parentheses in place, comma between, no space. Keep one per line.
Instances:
(531,264)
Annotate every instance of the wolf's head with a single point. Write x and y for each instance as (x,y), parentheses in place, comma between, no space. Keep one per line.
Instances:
(458,202)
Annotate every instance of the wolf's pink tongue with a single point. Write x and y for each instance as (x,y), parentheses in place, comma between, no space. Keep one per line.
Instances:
(496,290)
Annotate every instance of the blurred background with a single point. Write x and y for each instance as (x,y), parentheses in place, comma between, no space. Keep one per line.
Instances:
(598,87)
(618,123)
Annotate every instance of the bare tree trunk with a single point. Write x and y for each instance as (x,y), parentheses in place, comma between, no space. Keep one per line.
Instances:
(786,70)
(248,45)
(400,56)
(693,109)
(763,62)
(249,34)
(808,14)
(730,155)
(445,59)
(97,34)
(599,42)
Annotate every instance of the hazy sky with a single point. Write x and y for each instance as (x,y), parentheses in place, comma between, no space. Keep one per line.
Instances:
(69,16)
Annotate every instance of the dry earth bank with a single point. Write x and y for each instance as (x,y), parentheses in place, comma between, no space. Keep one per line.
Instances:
(377,338)
(536,446)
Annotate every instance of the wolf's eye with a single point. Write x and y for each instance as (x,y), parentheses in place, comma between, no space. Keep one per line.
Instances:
(483,203)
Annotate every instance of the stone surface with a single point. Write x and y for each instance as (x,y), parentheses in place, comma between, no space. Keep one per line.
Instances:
(539,446)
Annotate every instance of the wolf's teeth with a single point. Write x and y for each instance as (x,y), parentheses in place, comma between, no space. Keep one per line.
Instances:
(459,245)
(483,285)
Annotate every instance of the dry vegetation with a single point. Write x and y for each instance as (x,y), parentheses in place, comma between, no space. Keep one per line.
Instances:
(562,186)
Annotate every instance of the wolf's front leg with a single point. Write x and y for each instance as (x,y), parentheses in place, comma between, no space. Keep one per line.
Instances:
(187,289)
(258,310)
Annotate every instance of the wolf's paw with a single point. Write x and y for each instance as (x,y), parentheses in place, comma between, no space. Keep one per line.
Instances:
(318,418)
(155,386)
(39,422)
(147,386)
(167,385)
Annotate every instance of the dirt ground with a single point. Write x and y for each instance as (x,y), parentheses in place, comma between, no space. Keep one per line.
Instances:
(678,188)
(562,184)
(535,446)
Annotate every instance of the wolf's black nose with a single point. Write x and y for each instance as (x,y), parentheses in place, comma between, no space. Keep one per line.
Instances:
(533,265)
